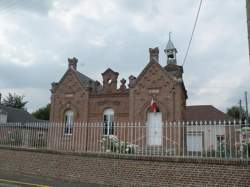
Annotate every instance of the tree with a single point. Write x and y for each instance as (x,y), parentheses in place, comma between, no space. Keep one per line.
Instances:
(14,101)
(237,113)
(42,113)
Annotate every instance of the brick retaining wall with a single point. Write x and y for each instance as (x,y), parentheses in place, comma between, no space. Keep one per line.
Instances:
(126,170)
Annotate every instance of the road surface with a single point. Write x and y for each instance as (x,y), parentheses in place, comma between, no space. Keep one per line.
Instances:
(13,180)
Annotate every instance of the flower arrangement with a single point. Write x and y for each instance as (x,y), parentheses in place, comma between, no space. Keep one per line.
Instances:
(111,144)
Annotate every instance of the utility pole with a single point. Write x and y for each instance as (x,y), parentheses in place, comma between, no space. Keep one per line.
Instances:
(240,110)
(246,101)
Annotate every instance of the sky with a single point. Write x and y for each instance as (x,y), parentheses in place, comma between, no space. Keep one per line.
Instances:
(37,37)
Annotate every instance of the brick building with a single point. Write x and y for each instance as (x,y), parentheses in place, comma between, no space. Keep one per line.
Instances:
(78,98)
(88,100)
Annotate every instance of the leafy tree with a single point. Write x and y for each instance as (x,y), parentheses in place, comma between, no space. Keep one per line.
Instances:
(14,101)
(42,113)
(237,113)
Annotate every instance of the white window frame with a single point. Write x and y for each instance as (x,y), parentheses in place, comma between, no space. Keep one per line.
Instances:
(108,121)
(68,121)
(194,147)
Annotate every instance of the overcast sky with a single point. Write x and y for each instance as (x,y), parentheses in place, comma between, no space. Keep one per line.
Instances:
(37,37)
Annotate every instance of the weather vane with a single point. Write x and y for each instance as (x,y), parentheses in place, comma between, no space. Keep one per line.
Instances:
(169,34)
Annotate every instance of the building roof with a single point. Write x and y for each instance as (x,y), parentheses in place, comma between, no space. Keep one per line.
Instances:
(85,80)
(18,115)
(109,70)
(205,113)
(170,45)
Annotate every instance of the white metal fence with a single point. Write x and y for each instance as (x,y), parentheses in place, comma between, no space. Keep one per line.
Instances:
(220,140)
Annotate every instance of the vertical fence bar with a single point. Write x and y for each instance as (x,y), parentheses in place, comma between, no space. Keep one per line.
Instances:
(77,148)
(192,137)
(131,133)
(119,138)
(196,152)
(230,138)
(28,143)
(174,138)
(248,139)
(204,138)
(140,139)
(13,131)
(91,137)
(220,138)
(210,139)
(167,138)
(58,131)
(235,140)
(82,137)
(60,127)
(162,138)
(134,138)
(171,138)
(31,135)
(183,139)
(126,136)
(241,146)
(201,131)
(123,136)
(95,137)
(225,139)
(179,136)
(53,139)
(64,137)
(145,151)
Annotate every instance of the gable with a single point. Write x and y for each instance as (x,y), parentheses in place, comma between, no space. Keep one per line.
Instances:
(154,73)
(110,71)
(71,82)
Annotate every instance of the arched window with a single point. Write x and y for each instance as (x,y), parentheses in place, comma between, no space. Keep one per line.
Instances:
(108,120)
(68,121)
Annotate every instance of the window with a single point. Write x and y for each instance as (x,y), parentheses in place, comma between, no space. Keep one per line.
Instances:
(68,121)
(108,121)
(194,142)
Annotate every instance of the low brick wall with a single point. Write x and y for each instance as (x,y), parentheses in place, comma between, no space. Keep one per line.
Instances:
(125,170)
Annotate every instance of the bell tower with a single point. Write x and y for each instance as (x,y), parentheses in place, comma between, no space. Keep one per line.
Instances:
(170,52)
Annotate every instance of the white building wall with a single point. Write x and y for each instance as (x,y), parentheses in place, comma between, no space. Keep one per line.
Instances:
(210,133)
(3,118)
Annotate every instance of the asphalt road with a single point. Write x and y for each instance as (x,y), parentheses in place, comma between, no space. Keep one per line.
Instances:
(13,180)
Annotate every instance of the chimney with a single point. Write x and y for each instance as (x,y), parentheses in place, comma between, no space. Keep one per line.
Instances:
(154,54)
(72,63)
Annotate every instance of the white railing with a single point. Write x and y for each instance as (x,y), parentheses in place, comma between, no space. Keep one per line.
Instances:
(220,140)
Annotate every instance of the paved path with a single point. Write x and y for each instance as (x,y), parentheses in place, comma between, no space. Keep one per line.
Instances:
(7,180)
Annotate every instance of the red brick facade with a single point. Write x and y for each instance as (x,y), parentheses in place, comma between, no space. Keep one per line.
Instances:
(88,98)
(119,170)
